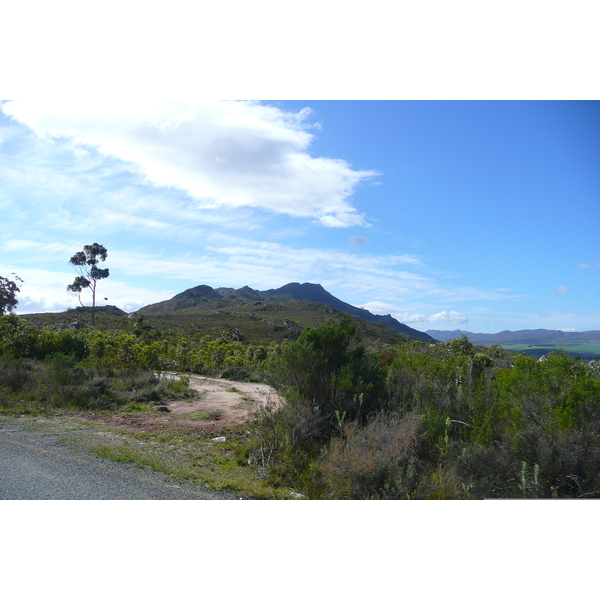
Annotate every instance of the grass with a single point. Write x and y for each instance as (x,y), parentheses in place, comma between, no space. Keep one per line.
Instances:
(203,415)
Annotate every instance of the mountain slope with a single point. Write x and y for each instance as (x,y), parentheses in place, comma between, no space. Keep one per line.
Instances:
(315,292)
(293,297)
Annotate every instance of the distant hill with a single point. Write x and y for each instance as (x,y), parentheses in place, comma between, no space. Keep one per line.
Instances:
(524,336)
(308,300)
(107,317)
(534,342)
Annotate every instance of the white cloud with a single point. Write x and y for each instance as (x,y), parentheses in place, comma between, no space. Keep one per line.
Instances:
(381,308)
(30,251)
(404,316)
(589,266)
(451,316)
(562,289)
(220,153)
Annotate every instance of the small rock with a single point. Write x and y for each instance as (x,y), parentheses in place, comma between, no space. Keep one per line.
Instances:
(162,409)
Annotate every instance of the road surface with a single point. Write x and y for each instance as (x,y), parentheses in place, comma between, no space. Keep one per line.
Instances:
(34,466)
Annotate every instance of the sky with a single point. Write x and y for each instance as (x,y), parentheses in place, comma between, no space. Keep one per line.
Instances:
(473,215)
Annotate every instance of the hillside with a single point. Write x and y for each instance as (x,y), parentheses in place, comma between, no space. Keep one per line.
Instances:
(253,315)
(316,293)
(107,317)
(242,314)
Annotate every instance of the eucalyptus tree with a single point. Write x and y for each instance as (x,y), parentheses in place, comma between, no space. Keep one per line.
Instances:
(85,263)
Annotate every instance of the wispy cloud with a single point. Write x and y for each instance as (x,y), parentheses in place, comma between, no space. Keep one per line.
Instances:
(589,265)
(562,289)
(220,154)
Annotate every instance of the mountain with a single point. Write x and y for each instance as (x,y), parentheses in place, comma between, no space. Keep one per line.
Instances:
(308,299)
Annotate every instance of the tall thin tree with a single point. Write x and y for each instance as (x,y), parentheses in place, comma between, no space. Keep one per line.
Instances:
(86,264)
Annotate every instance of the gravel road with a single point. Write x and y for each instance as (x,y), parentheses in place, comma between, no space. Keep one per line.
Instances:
(34,465)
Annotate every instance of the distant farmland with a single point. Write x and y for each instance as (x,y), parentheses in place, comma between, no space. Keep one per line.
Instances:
(587,351)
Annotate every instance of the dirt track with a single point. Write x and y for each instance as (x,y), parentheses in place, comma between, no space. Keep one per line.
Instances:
(221,403)
(232,401)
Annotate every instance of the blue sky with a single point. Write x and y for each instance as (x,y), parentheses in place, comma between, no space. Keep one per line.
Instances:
(478,215)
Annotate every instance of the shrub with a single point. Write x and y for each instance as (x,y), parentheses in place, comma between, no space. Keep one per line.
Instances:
(15,374)
(330,371)
(488,471)
(378,460)
(287,441)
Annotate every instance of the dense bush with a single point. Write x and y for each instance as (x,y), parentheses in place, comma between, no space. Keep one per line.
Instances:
(103,369)
(330,371)
(490,424)
(135,350)
(327,378)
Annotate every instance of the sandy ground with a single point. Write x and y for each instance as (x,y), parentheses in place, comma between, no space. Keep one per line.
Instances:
(221,403)
(229,401)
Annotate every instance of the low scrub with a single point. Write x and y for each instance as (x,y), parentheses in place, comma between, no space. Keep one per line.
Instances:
(378,460)
(61,382)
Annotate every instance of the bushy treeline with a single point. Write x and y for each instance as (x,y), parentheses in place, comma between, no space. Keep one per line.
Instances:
(98,369)
(429,421)
(135,350)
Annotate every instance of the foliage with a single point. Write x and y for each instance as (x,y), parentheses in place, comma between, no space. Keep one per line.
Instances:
(409,420)
(329,370)
(8,293)
(490,423)
(327,378)
(60,381)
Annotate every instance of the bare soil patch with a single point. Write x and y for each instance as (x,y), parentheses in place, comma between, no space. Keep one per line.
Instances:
(222,403)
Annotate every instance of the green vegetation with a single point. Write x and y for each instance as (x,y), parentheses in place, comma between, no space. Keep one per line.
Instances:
(360,418)
(454,421)
(8,294)
(585,350)
(56,373)
(85,357)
